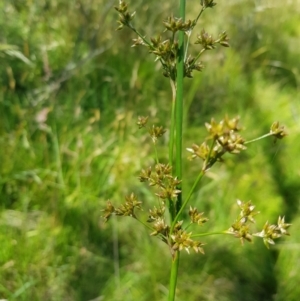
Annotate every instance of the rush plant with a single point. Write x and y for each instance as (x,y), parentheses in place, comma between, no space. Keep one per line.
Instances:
(166,220)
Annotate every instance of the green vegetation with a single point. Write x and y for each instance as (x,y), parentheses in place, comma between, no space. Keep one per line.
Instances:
(70,94)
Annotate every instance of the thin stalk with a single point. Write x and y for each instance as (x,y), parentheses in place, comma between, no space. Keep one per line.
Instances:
(199,54)
(178,143)
(116,257)
(200,176)
(199,15)
(156,154)
(146,42)
(187,44)
(259,138)
(172,129)
(143,223)
(60,177)
(171,141)
(210,233)
(179,104)
(140,35)
(173,276)
(189,33)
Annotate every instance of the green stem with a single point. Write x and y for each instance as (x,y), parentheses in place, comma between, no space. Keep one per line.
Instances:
(173,276)
(156,154)
(189,33)
(146,42)
(199,54)
(172,129)
(60,177)
(178,143)
(143,223)
(179,104)
(210,233)
(171,142)
(187,45)
(140,35)
(259,138)
(200,176)
(199,15)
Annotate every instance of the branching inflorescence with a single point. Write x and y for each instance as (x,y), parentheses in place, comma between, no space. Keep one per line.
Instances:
(166,49)
(224,139)
(164,219)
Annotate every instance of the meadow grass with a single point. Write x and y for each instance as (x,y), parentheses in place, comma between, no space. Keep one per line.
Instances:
(68,142)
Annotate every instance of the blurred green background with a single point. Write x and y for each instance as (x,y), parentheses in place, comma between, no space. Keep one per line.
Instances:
(71,89)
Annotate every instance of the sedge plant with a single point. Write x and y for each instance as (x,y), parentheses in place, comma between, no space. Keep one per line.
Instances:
(166,220)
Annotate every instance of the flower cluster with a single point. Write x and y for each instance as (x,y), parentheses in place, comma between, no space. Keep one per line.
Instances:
(155,131)
(142,121)
(241,228)
(226,139)
(176,237)
(196,217)
(278,131)
(271,232)
(208,3)
(162,178)
(182,240)
(209,43)
(125,17)
(166,49)
(178,240)
(126,209)
(177,24)
(190,65)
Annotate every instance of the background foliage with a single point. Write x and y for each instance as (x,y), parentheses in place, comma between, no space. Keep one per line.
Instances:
(70,90)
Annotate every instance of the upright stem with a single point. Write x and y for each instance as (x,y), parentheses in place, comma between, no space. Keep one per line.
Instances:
(178,144)
(179,103)
(173,276)
(171,142)
(172,129)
